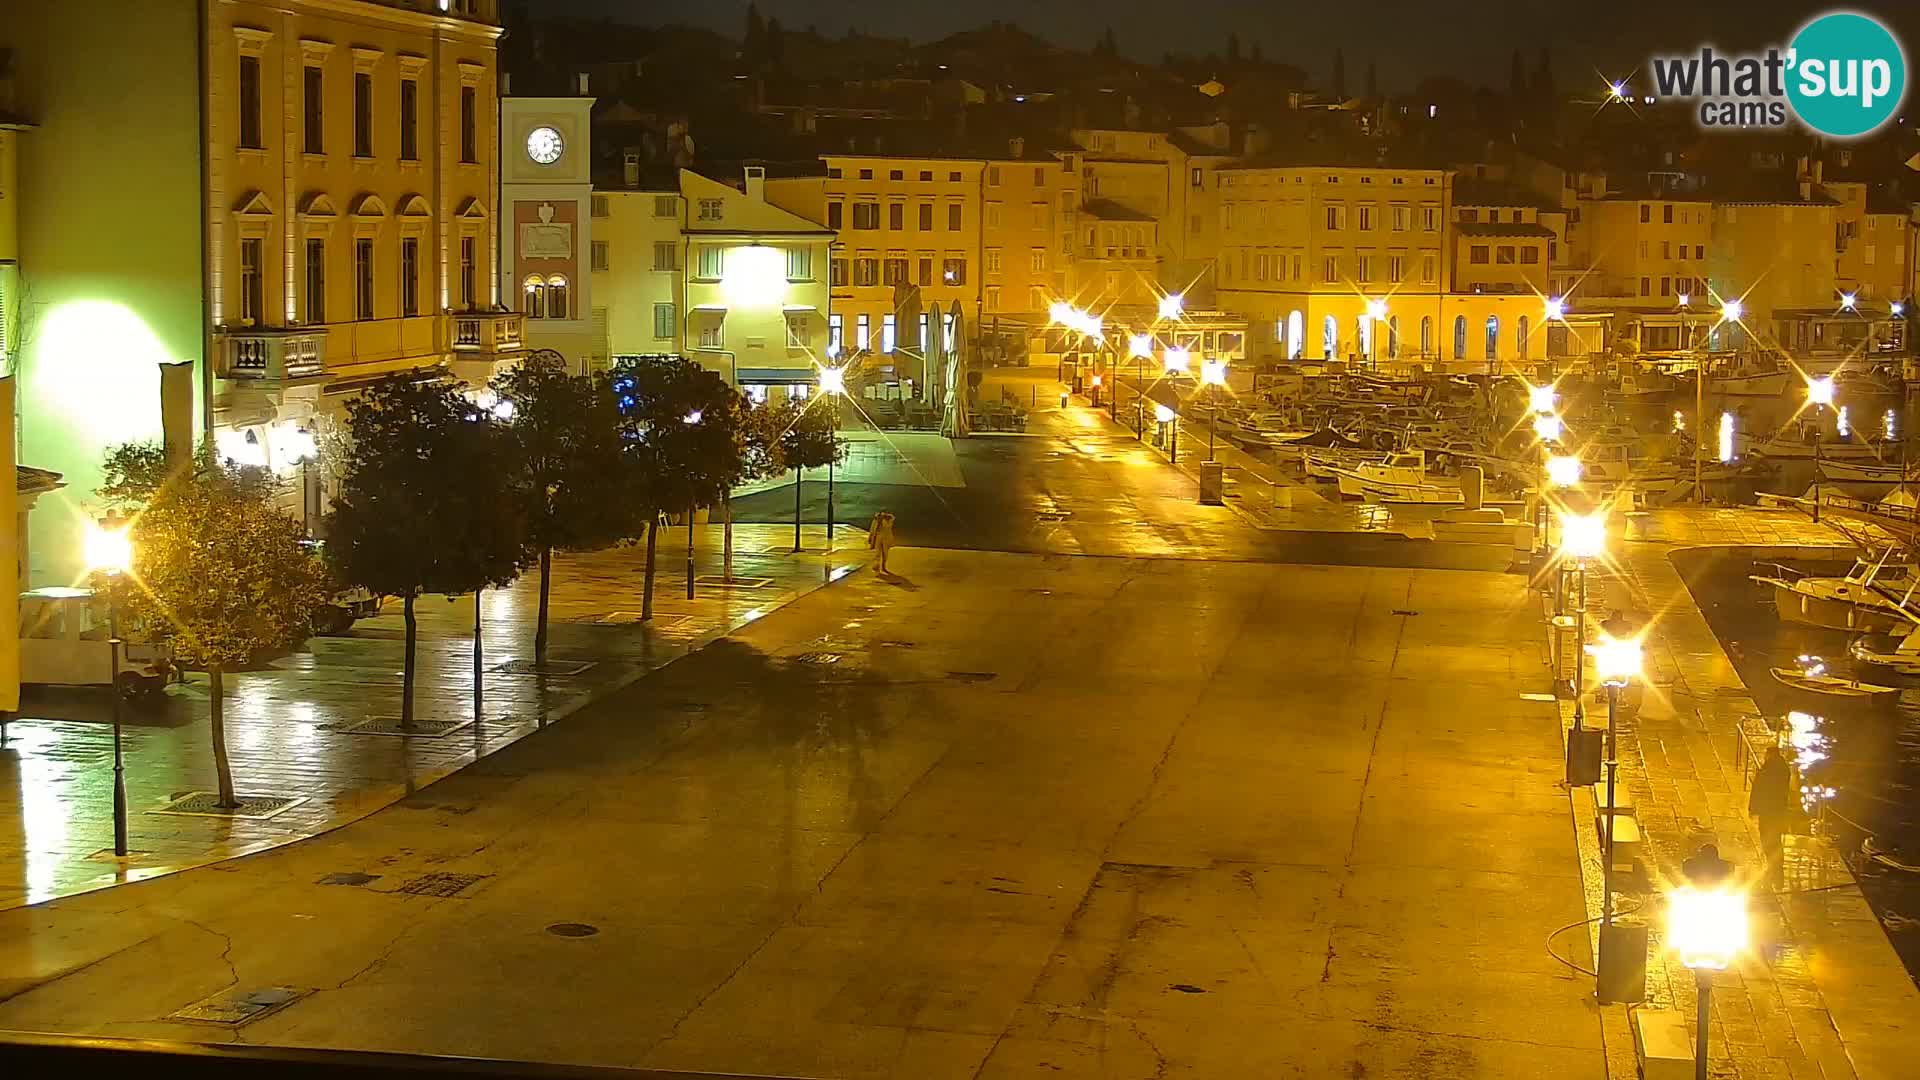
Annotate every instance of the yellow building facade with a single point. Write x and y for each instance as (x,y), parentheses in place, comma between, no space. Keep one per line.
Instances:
(290,198)
(719,274)
(1641,253)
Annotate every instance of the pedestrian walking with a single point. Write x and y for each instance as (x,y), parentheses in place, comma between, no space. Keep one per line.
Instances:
(880,536)
(1770,803)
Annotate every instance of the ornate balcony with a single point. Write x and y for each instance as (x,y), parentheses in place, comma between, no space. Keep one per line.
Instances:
(478,333)
(273,354)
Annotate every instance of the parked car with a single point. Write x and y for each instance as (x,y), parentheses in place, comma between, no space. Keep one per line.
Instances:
(64,642)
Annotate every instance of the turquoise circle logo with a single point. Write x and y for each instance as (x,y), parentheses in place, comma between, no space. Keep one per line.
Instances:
(1846,74)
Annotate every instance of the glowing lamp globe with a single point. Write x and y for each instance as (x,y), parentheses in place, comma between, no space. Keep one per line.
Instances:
(833,380)
(1820,391)
(1706,928)
(1140,345)
(1583,536)
(1547,427)
(108,548)
(1172,305)
(1162,413)
(1556,308)
(1176,361)
(1730,310)
(1540,398)
(1213,373)
(1616,660)
(1563,470)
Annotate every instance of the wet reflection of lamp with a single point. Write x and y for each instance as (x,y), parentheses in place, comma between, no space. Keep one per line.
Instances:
(1819,395)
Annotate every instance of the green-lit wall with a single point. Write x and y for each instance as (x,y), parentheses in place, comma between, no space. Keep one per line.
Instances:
(111,256)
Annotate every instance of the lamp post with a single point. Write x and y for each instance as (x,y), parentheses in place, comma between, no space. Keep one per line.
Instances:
(109,548)
(1616,661)
(1140,347)
(1819,395)
(1707,928)
(693,418)
(1583,536)
(1171,419)
(1213,375)
(833,383)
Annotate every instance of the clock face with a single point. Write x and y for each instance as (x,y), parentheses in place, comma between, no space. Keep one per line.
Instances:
(544,145)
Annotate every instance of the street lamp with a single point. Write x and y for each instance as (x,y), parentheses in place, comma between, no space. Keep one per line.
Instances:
(1617,662)
(1706,928)
(1376,314)
(1583,536)
(1547,427)
(1563,470)
(108,547)
(833,383)
(1172,305)
(1730,309)
(1540,399)
(1556,308)
(1167,417)
(1819,395)
(1213,374)
(1176,360)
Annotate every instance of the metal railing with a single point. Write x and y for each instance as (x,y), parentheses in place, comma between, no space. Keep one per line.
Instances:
(33,1054)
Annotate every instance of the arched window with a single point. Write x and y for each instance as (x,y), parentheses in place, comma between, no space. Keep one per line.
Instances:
(1493,337)
(1296,335)
(1459,337)
(536,303)
(1426,335)
(1393,337)
(1330,338)
(1520,333)
(557,297)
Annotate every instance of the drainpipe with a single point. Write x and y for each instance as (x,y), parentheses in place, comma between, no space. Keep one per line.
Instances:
(202,17)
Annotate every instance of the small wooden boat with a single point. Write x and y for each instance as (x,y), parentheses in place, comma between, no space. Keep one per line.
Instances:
(1812,677)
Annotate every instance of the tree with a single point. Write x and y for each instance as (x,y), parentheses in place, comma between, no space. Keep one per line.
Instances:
(564,431)
(1373,82)
(754,40)
(1543,88)
(776,43)
(1517,78)
(224,577)
(1233,49)
(680,425)
(1340,74)
(809,442)
(427,504)
(1256,56)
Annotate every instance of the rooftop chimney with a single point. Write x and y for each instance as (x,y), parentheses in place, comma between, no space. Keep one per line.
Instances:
(583,84)
(757,183)
(630,168)
(1016,148)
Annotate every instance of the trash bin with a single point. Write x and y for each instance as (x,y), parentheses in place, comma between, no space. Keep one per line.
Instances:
(1213,481)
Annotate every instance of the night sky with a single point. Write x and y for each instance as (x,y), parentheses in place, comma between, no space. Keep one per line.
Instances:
(1408,39)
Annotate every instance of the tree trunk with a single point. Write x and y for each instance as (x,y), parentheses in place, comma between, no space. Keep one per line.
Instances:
(646,598)
(726,512)
(406,673)
(540,631)
(221,766)
(796,510)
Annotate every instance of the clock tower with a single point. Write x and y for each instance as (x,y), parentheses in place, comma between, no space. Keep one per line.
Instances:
(546,235)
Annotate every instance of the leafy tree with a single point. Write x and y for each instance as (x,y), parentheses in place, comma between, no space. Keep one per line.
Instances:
(564,433)
(1543,88)
(427,504)
(680,423)
(1373,82)
(809,442)
(1339,74)
(1517,77)
(222,574)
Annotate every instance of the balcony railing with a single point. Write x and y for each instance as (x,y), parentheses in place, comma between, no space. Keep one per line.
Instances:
(488,332)
(274,353)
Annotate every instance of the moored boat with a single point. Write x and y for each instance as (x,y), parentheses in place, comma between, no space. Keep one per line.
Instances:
(1812,677)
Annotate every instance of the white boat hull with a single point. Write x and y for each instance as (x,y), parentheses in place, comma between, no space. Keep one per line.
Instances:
(1772,384)
(1866,472)
(1353,485)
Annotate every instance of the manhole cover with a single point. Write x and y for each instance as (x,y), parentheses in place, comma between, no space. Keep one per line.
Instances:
(818,659)
(348,878)
(573,929)
(439,883)
(207,804)
(390,725)
(971,676)
(235,1007)
(527,666)
(723,582)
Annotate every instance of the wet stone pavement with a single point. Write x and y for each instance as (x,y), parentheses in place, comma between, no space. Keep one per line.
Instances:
(1821,992)
(290,727)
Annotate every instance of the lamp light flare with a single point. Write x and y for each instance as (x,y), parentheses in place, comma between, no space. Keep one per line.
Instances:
(1897,309)
(833,380)
(1556,308)
(1176,360)
(108,549)
(1140,345)
(1726,437)
(694,416)
(1563,470)
(1820,390)
(1540,398)
(1619,91)
(1213,373)
(1685,299)
(1707,928)
(1584,536)
(1172,305)
(1890,424)
(1547,427)
(1847,301)
(1842,423)
(1376,309)
(1679,422)
(1162,413)
(1616,660)
(1731,309)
